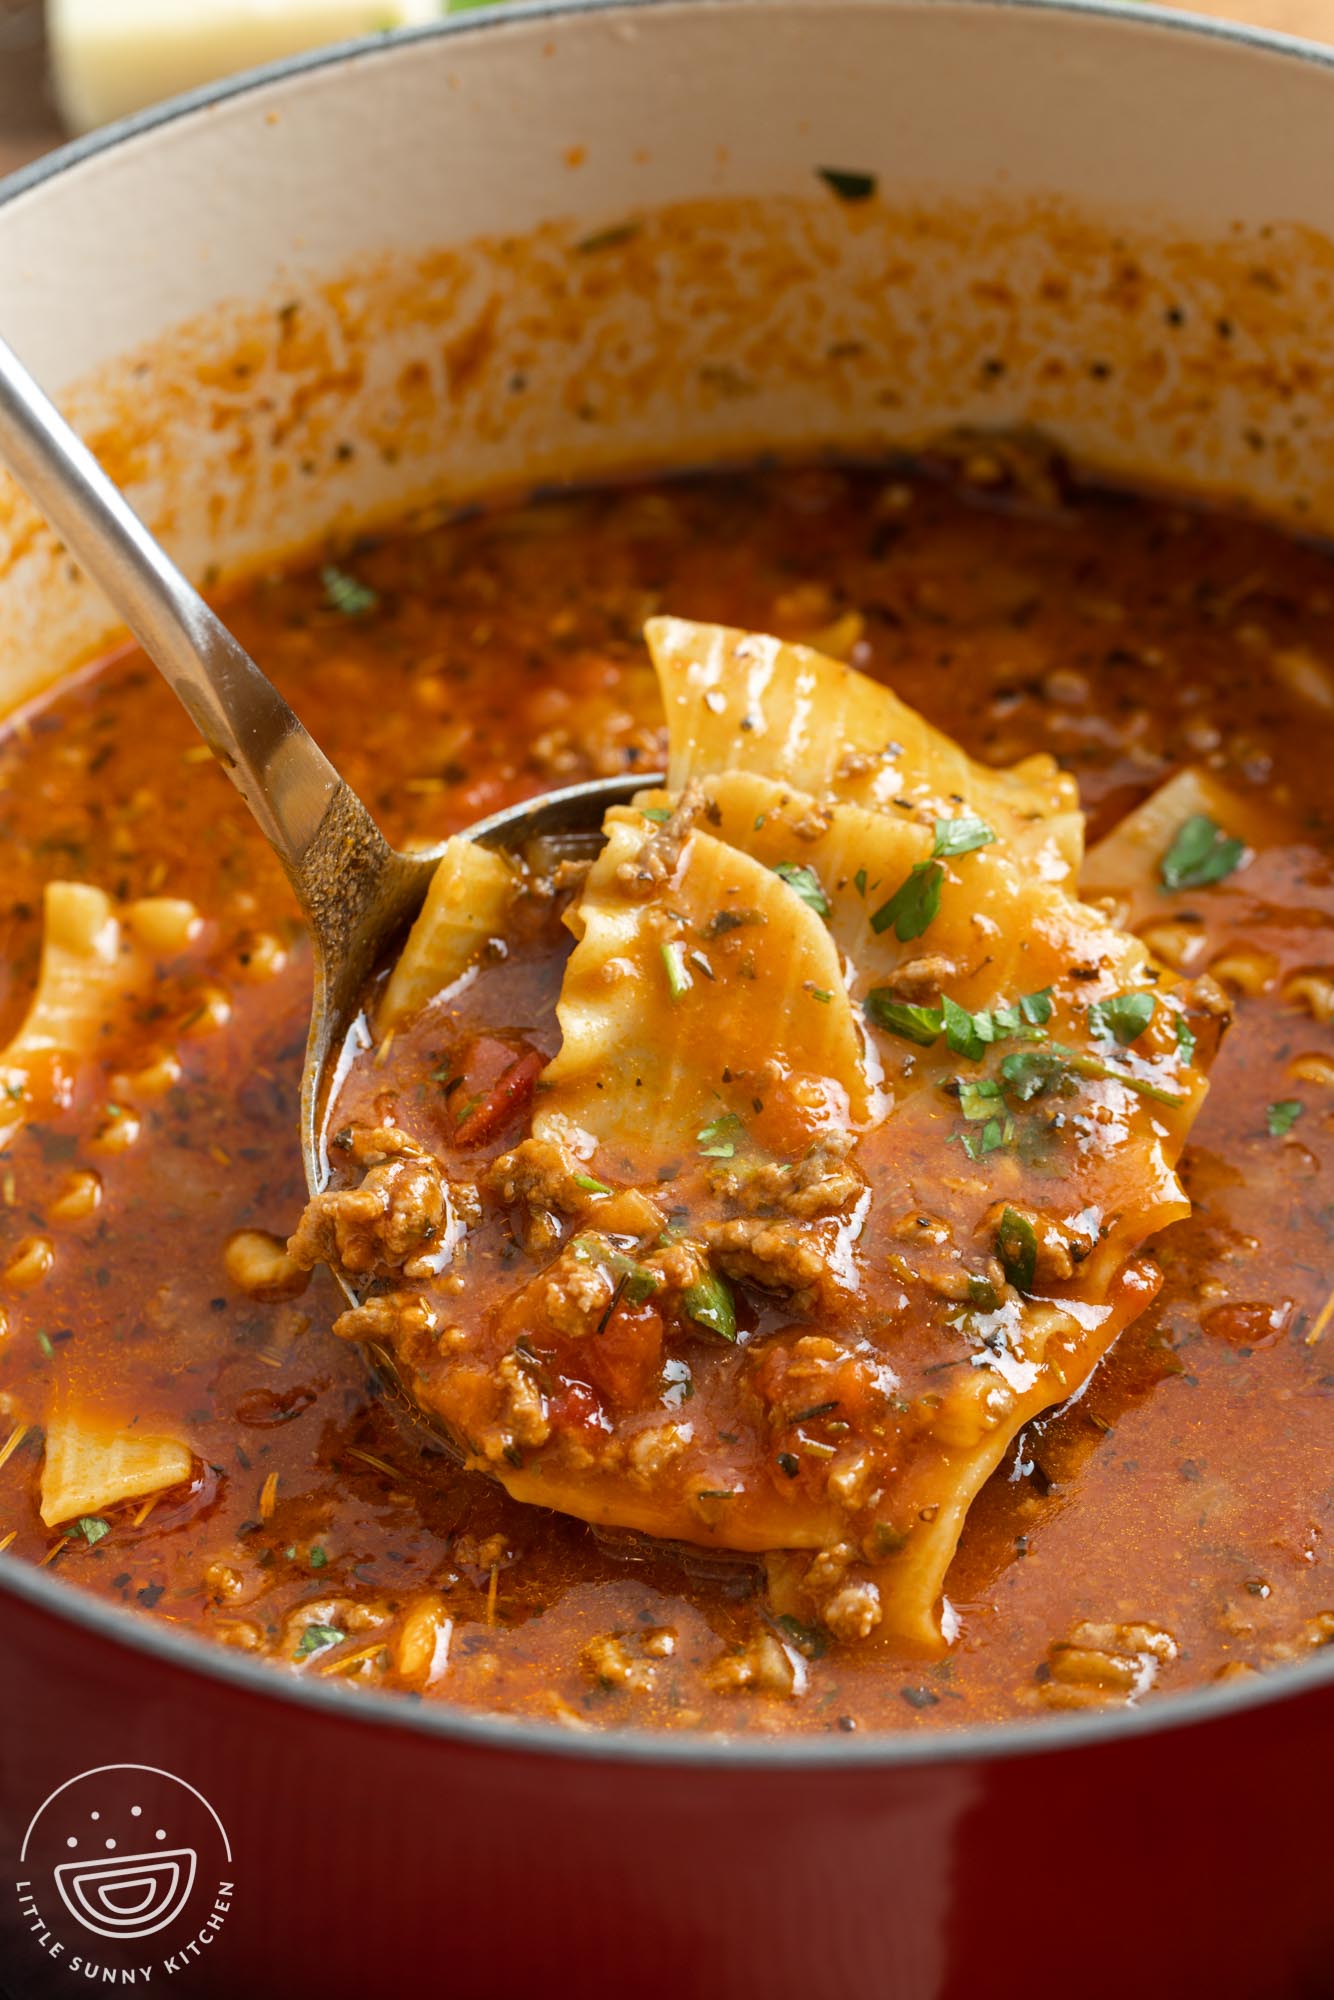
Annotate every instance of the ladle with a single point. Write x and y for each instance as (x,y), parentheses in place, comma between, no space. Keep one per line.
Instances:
(358,894)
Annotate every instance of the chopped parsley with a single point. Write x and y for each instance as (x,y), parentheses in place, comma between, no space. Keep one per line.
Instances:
(317,1639)
(848,183)
(1029,1072)
(92,1527)
(679,981)
(1017,1248)
(966,1034)
(1281,1117)
(1185,1035)
(806,883)
(658,814)
(709,1303)
(961,836)
(914,906)
(902,1017)
(1201,854)
(318,1557)
(346,594)
(1123,1018)
(995,1133)
(717,1139)
(859,881)
(590,1184)
(979,1097)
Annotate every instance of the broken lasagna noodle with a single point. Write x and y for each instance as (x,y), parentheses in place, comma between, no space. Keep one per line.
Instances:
(836,1028)
(848,1251)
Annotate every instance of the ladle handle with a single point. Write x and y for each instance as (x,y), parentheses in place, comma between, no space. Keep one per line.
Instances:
(278,768)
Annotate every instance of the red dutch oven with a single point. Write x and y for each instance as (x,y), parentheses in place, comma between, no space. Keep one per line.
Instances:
(325,1841)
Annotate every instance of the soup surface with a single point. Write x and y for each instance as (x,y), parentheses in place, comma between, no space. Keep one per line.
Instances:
(1165,1527)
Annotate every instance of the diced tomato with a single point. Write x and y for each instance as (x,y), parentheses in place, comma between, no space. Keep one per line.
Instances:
(576,1406)
(624,1361)
(497,1087)
(616,1369)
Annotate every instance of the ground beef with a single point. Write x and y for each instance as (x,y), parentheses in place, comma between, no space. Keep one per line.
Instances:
(1061,1244)
(391,1318)
(540,1172)
(652,1451)
(522,1415)
(547,1179)
(576,1293)
(402,1218)
(820,1184)
(657,859)
(922,980)
(788,1257)
(931,1258)
(855,1611)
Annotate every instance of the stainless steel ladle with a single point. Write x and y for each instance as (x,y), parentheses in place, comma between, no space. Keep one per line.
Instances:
(358,894)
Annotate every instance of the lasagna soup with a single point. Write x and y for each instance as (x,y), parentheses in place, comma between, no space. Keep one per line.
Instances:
(844,1249)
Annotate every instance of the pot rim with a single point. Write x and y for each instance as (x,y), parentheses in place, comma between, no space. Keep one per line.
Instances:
(476,1729)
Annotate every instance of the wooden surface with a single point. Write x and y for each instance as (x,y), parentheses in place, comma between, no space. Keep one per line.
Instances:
(28,124)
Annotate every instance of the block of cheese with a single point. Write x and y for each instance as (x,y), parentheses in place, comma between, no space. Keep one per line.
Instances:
(112,57)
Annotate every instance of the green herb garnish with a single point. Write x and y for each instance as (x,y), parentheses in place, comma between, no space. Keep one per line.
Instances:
(590,1184)
(92,1527)
(317,1638)
(1034,1009)
(1201,853)
(658,814)
(717,1139)
(1030,1072)
(679,981)
(848,183)
(961,836)
(806,883)
(1185,1039)
(902,1017)
(994,1134)
(979,1098)
(914,905)
(345,594)
(709,1303)
(1017,1248)
(1123,1018)
(968,1035)
(1281,1117)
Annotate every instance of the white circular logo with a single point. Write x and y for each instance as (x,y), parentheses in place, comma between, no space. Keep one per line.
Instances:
(130,1853)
